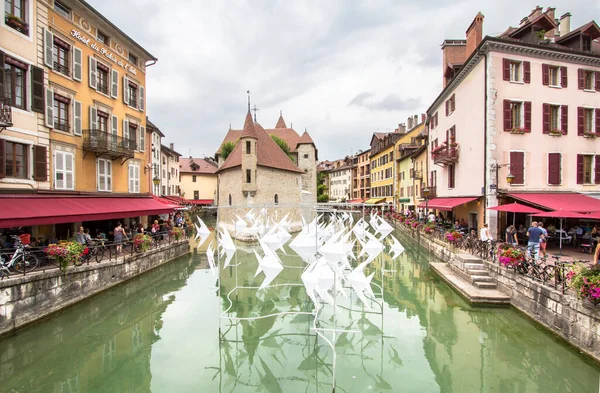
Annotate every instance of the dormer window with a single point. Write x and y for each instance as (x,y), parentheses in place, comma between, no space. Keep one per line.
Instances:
(586,44)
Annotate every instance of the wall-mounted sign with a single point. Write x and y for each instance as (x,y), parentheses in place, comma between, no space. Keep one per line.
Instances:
(103,51)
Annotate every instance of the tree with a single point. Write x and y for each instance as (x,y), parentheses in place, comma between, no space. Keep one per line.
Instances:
(284,146)
(321,188)
(226,149)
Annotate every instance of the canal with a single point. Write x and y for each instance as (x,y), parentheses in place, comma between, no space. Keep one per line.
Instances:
(160,333)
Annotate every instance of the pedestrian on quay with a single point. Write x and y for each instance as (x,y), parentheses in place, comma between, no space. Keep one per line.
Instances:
(80,236)
(140,228)
(543,239)
(484,233)
(533,243)
(511,236)
(119,234)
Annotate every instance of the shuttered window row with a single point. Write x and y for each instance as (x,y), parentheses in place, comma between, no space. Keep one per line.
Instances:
(556,76)
(15,161)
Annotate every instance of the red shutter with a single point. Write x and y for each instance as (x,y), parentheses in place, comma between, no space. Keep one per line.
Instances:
(517,166)
(564,119)
(453,103)
(597,169)
(597,121)
(546,118)
(526,72)
(2,159)
(580,121)
(506,69)
(527,107)
(579,169)
(545,74)
(597,76)
(447,136)
(40,172)
(447,105)
(554,168)
(581,78)
(507,115)
(563,76)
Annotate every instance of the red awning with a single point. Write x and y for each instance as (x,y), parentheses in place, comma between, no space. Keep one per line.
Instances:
(29,210)
(200,201)
(359,200)
(561,201)
(446,204)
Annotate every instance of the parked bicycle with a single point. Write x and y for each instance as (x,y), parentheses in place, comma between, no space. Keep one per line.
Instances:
(21,260)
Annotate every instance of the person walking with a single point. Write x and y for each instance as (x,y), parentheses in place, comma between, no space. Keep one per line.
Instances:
(484,233)
(533,243)
(511,236)
(80,236)
(119,234)
(543,239)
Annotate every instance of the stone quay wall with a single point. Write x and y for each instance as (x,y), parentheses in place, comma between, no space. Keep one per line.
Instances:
(576,321)
(29,298)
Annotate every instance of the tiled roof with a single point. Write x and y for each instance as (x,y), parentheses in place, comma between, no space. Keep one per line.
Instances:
(305,139)
(152,127)
(280,122)
(204,165)
(289,135)
(168,150)
(578,30)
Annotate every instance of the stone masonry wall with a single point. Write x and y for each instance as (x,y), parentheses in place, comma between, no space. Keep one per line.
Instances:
(576,321)
(29,298)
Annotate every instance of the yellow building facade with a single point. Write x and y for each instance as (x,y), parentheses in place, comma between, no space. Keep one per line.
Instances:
(405,186)
(382,167)
(198,180)
(95,104)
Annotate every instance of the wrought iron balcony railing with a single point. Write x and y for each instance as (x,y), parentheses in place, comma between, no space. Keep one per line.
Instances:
(445,154)
(5,113)
(61,125)
(63,69)
(104,143)
(416,174)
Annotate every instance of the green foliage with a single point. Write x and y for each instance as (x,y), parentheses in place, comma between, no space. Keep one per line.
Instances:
(321,188)
(226,149)
(284,146)
(322,198)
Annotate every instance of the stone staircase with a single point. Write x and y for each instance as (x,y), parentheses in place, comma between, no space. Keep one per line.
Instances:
(476,271)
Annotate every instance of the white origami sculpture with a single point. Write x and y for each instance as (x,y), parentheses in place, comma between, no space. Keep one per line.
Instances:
(203,229)
(384,229)
(227,246)
(210,254)
(270,265)
(373,247)
(395,248)
(360,283)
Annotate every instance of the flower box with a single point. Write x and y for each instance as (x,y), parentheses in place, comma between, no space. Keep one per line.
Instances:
(518,131)
(16,23)
(555,133)
(590,135)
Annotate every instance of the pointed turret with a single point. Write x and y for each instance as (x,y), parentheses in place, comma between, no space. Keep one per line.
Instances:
(280,122)
(249,131)
(306,139)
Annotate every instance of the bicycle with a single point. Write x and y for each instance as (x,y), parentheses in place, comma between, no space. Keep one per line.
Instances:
(97,251)
(21,260)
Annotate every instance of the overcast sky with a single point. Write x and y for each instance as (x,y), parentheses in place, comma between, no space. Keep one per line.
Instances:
(340,69)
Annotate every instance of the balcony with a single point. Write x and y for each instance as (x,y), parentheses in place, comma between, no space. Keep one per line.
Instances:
(61,125)
(416,174)
(432,192)
(102,143)
(62,68)
(446,153)
(5,113)
(406,149)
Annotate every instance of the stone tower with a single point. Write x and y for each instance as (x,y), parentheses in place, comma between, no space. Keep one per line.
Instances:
(307,162)
(247,143)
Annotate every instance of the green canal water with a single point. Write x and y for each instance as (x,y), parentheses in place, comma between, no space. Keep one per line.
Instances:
(161,333)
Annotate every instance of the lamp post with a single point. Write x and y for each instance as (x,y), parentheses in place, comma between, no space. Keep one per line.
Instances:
(425,192)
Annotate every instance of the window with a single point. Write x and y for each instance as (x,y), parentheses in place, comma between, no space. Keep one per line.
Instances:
(61,113)
(229,199)
(554,168)
(248,147)
(64,177)
(517,166)
(515,71)
(450,105)
(585,168)
(194,178)
(102,118)
(588,124)
(60,56)
(15,82)
(134,178)
(515,114)
(16,159)
(132,92)
(248,176)
(196,194)
(102,73)
(133,59)
(15,15)
(103,38)
(554,76)
(276,199)
(104,175)
(306,156)
(132,135)
(451,176)
(554,117)
(62,9)
(589,80)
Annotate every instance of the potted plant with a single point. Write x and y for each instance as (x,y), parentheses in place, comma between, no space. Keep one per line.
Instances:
(590,135)
(586,282)
(176,232)
(510,256)
(555,133)
(142,242)
(67,252)
(518,130)
(453,237)
(16,23)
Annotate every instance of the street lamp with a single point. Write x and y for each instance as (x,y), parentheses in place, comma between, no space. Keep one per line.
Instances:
(426,192)
(510,178)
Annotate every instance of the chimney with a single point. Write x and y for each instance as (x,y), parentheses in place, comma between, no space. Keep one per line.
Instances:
(453,53)
(474,34)
(171,145)
(415,120)
(565,24)
(535,12)
(423,118)
(409,124)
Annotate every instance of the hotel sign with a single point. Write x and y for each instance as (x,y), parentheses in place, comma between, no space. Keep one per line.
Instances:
(86,41)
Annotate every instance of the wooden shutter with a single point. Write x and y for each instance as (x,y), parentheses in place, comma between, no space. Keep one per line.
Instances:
(2,77)
(77,59)
(108,167)
(93,118)
(126,130)
(142,103)
(447,106)
(526,72)
(450,176)
(59,168)
(453,103)
(76,117)
(447,136)
(597,169)
(507,116)
(517,166)
(69,174)
(597,121)
(131,183)
(597,77)
(93,72)
(554,168)
(546,118)
(114,90)
(564,119)
(563,76)
(49,108)
(2,158)
(125,90)
(581,78)
(48,47)
(580,121)
(545,74)
(506,69)
(579,169)
(37,89)
(40,172)
(527,115)
(142,146)
(115,125)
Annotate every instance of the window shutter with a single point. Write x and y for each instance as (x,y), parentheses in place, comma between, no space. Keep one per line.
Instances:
(100,183)
(108,175)
(517,166)
(125,90)
(76,117)
(447,106)
(563,76)
(115,125)
(93,72)
(507,116)
(142,146)
(2,77)
(447,136)
(69,178)
(130,178)
(453,103)
(142,103)
(579,169)
(93,118)
(506,69)
(77,64)
(597,77)
(114,90)
(564,119)
(598,121)
(126,130)
(49,108)
(48,47)
(526,72)
(527,115)
(40,172)
(580,121)
(554,168)
(581,78)
(37,88)
(597,169)
(59,168)
(545,74)
(546,118)
(2,159)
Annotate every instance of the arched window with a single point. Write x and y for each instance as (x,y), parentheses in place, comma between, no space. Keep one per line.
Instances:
(229,199)
(276,198)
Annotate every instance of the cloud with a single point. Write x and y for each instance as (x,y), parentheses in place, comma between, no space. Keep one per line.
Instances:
(391,102)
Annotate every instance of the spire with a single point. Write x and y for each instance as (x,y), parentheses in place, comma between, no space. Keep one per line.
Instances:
(280,122)
(249,130)
(248,91)
(306,139)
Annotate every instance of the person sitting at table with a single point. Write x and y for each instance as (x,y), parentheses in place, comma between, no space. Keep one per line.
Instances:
(511,236)
(463,223)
